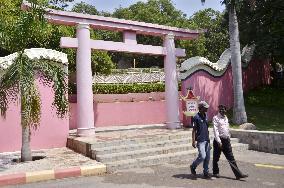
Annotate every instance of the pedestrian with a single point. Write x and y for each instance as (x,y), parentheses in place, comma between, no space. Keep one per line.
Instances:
(222,143)
(200,134)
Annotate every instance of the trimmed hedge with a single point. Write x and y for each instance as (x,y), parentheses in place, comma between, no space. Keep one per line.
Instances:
(123,88)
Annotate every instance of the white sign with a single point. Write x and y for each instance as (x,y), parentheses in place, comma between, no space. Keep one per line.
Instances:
(191,107)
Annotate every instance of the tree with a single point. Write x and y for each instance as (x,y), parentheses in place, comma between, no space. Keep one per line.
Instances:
(214,41)
(18,81)
(239,112)
(262,25)
(162,12)
(101,60)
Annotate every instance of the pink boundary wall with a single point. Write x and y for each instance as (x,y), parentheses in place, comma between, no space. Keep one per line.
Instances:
(219,90)
(124,109)
(52,132)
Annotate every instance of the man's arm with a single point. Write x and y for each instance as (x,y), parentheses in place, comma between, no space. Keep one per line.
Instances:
(193,132)
(193,138)
(216,132)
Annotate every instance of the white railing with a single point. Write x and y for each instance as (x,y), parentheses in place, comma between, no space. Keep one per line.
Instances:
(130,77)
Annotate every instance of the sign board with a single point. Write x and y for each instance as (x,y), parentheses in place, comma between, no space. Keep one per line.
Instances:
(191,107)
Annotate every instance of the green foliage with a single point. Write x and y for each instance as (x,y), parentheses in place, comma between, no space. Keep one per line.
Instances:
(101,61)
(27,29)
(214,41)
(85,8)
(265,108)
(262,24)
(162,12)
(127,88)
(268,97)
(20,30)
(123,88)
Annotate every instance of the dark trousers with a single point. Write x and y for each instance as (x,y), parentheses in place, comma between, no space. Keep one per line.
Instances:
(227,150)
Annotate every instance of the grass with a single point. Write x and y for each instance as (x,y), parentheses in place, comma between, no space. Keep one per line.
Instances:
(265,109)
(265,118)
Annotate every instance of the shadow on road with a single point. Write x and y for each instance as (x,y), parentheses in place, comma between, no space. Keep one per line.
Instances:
(190,176)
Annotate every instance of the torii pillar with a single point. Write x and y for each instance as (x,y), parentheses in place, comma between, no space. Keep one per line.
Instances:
(85,107)
(171,83)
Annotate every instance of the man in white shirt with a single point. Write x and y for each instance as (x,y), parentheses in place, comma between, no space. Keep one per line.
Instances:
(222,143)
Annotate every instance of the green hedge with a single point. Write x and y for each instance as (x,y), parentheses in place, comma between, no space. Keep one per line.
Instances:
(123,88)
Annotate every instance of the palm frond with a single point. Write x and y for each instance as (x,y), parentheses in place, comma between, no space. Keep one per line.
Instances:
(20,79)
(30,98)
(9,87)
(52,72)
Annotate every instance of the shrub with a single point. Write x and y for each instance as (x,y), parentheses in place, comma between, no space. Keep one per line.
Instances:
(123,88)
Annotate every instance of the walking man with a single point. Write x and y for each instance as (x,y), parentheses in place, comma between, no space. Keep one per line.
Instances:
(201,135)
(222,143)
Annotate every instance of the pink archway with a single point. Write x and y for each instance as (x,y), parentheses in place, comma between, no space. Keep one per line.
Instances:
(83,43)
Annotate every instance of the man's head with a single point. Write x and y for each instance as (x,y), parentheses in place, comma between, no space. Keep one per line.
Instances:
(222,109)
(203,106)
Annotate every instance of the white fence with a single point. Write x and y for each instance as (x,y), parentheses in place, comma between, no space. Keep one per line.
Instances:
(131,77)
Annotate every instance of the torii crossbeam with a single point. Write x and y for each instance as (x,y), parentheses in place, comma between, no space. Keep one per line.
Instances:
(83,43)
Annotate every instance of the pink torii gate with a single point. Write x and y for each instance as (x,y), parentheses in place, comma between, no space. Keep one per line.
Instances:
(83,43)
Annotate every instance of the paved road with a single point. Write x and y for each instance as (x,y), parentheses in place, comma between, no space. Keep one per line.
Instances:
(178,175)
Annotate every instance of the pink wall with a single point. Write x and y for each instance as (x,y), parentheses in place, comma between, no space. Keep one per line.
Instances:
(124,113)
(219,90)
(132,109)
(52,132)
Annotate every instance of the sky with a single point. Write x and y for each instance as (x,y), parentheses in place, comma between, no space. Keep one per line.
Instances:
(186,6)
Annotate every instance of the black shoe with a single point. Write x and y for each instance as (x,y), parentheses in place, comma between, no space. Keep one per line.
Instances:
(193,172)
(242,176)
(206,175)
(216,175)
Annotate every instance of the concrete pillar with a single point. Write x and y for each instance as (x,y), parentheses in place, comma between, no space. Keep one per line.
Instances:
(171,83)
(85,110)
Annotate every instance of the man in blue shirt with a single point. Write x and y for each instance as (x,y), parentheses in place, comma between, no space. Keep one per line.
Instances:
(200,134)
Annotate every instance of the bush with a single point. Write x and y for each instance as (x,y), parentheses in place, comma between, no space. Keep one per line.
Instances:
(123,88)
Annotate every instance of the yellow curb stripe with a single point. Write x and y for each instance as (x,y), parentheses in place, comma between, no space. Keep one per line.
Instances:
(93,170)
(269,166)
(39,176)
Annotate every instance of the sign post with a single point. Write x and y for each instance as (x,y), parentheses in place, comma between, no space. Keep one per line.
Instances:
(190,103)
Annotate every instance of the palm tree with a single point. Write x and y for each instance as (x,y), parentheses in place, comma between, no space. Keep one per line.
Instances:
(18,82)
(239,111)
(20,30)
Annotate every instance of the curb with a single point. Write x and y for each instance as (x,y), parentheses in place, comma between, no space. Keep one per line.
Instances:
(36,176)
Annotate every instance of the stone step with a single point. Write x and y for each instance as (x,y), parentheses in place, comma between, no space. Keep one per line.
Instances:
(142,153)
(132,154)
(139,146)
(161,158)
(143,139)
(148,161)
(133,147)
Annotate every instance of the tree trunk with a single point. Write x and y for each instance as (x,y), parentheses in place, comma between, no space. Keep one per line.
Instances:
(26,153)
(239,112)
